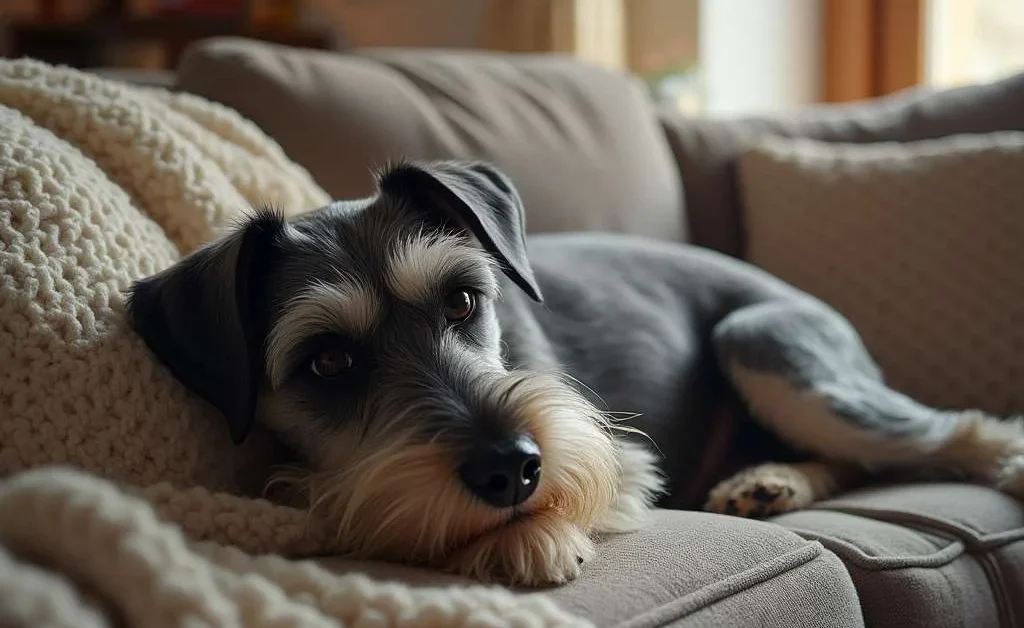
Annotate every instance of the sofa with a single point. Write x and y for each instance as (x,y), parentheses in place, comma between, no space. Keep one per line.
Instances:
(589,150)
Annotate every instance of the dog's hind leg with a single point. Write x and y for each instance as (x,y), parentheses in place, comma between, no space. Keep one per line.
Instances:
(805,374)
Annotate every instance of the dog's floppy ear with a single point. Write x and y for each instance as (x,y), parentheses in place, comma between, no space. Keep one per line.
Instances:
(477,196)
(200,318)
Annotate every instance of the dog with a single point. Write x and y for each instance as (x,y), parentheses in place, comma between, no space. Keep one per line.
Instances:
(466,397)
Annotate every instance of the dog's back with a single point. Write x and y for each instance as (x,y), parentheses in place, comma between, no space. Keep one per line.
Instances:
(632,320)
(455,391)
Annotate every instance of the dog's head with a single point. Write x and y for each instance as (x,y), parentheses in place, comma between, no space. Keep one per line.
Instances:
(364,333)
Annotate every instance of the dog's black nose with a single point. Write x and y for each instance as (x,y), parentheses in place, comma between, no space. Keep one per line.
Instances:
(504,473)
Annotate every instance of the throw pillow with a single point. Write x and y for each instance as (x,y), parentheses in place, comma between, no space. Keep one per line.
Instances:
(918,244)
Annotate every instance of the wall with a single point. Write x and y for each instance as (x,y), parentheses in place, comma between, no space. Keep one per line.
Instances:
(759,55)
(660,33)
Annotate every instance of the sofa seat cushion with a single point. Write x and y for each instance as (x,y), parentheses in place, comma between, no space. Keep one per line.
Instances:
(932,555)
(582,144)
(692,569)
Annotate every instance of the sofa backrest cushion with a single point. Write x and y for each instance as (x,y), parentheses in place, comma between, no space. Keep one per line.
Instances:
(582,144)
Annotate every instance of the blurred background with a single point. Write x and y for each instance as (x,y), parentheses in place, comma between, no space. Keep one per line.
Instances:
(713,57)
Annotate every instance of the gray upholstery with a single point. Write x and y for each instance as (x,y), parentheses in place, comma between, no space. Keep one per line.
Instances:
(932,555)
(580,143)
(590,152)
(694,569)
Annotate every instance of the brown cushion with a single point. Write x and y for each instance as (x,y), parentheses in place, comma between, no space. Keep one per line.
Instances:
(706,149)
(694,569)
(582,144)
(917,243)
(929,555)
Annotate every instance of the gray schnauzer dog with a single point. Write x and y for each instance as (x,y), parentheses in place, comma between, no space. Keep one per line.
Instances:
(465,397)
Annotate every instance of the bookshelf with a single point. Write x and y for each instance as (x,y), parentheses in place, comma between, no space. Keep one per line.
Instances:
(150,34)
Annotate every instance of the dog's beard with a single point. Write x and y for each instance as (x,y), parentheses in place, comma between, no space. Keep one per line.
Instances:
(391,496)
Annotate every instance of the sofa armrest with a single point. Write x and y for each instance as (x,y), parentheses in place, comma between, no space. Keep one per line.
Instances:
(706,150)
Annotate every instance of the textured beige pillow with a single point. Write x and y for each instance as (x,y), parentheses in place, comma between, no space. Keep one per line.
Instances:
(920,244)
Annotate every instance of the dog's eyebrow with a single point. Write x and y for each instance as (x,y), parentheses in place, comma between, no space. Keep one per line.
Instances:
(351,308)
(419,265)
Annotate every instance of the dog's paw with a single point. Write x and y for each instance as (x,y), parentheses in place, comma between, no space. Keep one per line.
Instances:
(540,550)
(769,489)
(1010,478)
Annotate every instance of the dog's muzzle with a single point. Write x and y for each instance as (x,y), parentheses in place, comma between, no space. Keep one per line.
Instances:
(502,473)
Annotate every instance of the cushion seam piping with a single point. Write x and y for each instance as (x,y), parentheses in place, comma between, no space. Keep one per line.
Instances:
(974,538)
(848,551)
(683,606)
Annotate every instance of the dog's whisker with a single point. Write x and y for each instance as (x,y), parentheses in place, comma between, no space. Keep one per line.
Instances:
(386,357)
(392,357)
(439,436)
(579,382)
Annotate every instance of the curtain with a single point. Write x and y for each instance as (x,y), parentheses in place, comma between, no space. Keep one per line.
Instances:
(872,47)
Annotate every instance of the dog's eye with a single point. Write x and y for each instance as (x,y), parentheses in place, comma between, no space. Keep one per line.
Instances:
(459,305)
(331,363)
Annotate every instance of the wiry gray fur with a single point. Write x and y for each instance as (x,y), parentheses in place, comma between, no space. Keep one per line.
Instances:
(666,333)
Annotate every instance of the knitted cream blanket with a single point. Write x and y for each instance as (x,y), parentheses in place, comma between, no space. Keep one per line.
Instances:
(122,501)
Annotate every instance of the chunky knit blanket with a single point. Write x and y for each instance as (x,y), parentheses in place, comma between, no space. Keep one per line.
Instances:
(122,500)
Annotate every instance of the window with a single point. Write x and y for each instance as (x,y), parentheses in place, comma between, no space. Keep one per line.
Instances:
(972,41)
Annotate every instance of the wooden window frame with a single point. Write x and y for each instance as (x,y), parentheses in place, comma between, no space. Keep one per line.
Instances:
(594,30)
(872,47)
